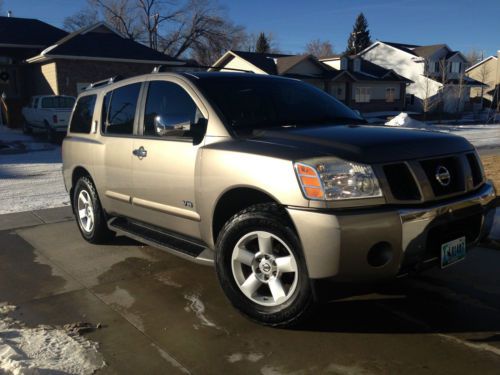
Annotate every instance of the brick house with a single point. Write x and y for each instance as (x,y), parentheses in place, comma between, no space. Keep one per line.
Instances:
(42,59)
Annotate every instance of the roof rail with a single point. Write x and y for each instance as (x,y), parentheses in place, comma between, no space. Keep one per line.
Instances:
(163,68)
(104,82)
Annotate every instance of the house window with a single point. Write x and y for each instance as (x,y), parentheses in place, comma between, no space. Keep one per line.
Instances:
(390,94)
(410,99)
(455,67)
(436,67)
(362,95)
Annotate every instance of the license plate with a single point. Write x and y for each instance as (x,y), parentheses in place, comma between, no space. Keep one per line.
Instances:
(452,252)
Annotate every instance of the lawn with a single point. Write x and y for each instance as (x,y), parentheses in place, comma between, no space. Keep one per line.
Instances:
(492,169)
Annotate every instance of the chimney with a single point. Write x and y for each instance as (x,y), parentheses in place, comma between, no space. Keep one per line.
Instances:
(9,13)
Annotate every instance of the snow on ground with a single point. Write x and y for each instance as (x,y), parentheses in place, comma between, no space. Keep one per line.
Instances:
(480,135)
(31,180)
(44,349)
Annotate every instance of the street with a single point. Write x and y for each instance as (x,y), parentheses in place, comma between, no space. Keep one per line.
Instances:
(158,314)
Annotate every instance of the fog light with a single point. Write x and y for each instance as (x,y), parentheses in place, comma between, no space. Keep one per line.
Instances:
(380,254)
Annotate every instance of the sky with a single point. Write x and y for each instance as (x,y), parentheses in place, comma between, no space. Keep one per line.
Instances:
(461,24)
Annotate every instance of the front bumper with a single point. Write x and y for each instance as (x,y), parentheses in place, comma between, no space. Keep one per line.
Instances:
(338,244)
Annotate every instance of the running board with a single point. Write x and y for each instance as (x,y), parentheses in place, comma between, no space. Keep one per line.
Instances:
(176,244)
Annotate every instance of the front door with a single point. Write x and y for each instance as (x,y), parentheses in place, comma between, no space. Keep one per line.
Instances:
(165,159)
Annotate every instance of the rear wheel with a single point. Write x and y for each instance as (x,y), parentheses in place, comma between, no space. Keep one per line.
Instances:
(88,212)
(261,268)
(27,128)
(50,134)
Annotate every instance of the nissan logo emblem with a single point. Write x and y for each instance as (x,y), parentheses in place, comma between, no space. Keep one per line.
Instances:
(443,175)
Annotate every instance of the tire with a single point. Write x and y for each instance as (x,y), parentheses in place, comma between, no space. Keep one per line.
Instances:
(255,248)
(92,221)
(50,134)
(27,128)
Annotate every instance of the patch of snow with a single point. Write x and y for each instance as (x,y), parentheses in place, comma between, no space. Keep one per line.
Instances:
(44,349)
(31,180)
(404,120)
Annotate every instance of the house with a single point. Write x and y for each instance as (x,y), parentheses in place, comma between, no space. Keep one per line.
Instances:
(487,72)
(303,67)
(88,55)
(358,83)
(365,86)
(37,58)
(437,72)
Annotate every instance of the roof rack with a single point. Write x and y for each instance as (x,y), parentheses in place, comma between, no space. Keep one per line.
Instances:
(104,82)
(163,68)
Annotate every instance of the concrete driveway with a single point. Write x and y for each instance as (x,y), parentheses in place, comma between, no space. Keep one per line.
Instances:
(162,315)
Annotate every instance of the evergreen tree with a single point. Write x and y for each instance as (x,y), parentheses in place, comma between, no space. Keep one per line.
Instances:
(360,36)
(262,44)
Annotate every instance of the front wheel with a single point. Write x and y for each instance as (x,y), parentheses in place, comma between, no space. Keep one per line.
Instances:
(261,268)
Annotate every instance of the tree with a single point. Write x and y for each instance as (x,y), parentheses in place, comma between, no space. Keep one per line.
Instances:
(473,56)
(359,39)
(319,48)
(81,19)
(196,28)
(262,45)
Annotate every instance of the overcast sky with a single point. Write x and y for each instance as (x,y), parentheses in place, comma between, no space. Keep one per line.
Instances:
(462,24)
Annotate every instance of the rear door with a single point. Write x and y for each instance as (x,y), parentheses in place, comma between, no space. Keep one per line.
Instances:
(118,127)
(166,158)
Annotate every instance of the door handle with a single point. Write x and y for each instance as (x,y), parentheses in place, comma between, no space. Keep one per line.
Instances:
(141,152)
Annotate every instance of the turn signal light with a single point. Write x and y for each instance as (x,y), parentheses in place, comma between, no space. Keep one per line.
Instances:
(309,181)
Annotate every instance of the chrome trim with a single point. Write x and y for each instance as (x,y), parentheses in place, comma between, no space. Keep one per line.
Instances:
(118,196)
(415,221)
(175,211)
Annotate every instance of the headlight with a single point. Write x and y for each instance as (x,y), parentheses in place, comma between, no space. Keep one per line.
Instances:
(336,179)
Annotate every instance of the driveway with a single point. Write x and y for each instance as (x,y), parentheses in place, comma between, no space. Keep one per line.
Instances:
(159,314)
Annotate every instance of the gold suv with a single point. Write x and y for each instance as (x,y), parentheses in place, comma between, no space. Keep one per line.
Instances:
(273,181)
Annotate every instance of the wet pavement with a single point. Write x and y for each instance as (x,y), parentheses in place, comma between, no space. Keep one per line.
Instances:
(163,315)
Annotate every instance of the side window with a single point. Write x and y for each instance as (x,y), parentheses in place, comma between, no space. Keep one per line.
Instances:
(170,111)
(81,121)
(119,109)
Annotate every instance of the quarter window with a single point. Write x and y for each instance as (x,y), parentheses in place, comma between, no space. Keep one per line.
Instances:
(119,109)
(81,120)
(170,111)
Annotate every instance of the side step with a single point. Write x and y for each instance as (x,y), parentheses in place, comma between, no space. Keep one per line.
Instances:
(173,243)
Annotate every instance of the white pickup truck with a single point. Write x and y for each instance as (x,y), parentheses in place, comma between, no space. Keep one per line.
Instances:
(49,114)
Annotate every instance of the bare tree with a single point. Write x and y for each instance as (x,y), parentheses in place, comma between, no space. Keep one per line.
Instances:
(197,28)
(200,25)
(473,56)
(122,15)
(319,48)
(81,19)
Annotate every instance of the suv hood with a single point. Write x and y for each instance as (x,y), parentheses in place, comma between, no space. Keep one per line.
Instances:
(365,144)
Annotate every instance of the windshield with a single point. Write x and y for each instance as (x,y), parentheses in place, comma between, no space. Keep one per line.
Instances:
(58,102)
(248,103)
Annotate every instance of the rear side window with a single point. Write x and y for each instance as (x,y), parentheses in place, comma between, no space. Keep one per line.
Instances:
(58,102)
(119,110)
(81,121)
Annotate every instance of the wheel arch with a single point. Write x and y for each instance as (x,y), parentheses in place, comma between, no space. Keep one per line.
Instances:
(233,201)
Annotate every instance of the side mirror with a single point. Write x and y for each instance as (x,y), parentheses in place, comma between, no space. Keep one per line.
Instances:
(162,129)
(198,130)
